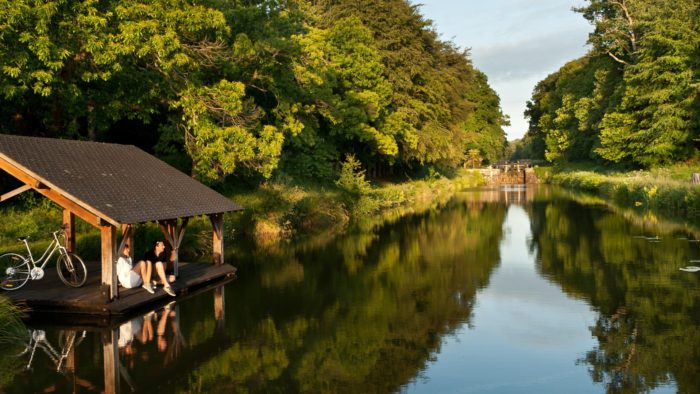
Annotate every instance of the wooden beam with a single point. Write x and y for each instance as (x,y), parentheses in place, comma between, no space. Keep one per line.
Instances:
(178,236)
(165,228)
(217,242)
(174,235)
(127,237)
(109,272)
(15,192)
(181,231)
(69,229)
(77,207)
(110,350)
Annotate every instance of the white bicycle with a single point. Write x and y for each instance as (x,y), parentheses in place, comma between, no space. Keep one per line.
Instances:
(16,270)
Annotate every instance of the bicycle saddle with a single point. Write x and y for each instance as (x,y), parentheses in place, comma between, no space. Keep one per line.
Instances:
(20,239)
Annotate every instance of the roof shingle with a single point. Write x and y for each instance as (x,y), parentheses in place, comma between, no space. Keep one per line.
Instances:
(121,181)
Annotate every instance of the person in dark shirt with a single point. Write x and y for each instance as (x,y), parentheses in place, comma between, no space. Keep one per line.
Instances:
(156,257)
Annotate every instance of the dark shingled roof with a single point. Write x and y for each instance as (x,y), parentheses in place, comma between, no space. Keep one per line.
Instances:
(121,181)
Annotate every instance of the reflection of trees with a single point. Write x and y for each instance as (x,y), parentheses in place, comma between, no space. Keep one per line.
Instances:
(648,330)
(363,315)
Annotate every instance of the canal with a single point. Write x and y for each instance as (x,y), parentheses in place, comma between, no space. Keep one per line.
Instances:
(511,290)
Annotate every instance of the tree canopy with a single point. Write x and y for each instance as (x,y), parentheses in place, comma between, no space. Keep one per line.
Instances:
(633,99)
(255,86)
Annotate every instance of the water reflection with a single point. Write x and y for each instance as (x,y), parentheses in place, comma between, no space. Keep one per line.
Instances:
(506,290)
(648,327)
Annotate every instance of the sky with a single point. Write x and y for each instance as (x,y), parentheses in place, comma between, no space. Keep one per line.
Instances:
(516,43)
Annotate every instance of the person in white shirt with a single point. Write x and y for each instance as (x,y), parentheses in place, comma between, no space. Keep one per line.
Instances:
(131,275)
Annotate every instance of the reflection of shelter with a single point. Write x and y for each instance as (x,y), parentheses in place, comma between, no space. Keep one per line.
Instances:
(114,370)
(113,187)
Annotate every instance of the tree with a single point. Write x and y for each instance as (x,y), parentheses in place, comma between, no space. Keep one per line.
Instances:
(638,108)
(658,117)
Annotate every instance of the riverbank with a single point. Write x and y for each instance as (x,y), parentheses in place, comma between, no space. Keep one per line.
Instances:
(665,190)
(10,322)
(12,331)
(274,211)
(281,209)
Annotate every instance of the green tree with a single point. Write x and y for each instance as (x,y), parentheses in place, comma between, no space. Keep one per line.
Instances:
(657,120)
(435,89)
(633,98)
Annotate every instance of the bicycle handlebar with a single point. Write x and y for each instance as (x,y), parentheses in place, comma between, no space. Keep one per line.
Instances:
(61,230)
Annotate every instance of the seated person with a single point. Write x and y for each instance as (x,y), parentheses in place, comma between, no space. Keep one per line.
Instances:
(156,257)
(131,275)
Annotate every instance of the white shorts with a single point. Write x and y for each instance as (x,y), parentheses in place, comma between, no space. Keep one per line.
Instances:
(133,280)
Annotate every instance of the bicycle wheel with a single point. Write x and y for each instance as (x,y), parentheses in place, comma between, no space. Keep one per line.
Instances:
(71,270)
(14,271)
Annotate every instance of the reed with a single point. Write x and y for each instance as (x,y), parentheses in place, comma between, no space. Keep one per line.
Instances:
(11,326)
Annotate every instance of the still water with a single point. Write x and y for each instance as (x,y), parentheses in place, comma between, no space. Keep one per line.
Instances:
(504,291)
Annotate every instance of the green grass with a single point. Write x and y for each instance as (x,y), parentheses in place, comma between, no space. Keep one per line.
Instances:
(665,190)
(12,334)
(11,327)
(283,208)
(275,210)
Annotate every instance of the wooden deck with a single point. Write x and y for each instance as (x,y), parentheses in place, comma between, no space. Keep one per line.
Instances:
(51,295)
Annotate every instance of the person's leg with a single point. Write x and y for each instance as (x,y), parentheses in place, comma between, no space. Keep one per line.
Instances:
(160,271)
(160,330)
(139,268)
(146,330)
(149,271)
(143,268)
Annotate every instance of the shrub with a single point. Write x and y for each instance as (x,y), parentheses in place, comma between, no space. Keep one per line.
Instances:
(352,177)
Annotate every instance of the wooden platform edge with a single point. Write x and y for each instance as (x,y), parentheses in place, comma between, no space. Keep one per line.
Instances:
(103,314)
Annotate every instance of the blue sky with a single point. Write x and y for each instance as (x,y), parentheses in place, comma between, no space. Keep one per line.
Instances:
(517,43)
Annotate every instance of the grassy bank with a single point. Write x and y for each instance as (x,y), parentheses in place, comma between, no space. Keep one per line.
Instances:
(664,190)
(276,210)
(12,332)
(284,208)
(11,327)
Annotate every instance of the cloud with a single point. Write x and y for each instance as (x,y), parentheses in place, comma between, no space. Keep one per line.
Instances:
(536,56)
(516,43)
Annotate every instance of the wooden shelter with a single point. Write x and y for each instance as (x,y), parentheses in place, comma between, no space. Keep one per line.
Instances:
(113,187)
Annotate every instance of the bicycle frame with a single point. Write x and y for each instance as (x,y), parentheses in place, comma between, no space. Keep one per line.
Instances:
(48,253)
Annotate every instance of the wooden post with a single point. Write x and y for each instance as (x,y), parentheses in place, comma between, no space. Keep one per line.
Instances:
(69,230)
(127,238)
(109,273)
(110,349)
(217,242)
(173,236)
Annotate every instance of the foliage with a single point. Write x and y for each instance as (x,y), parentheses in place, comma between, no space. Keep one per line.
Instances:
(11,327)
(634,98)
(352,178)
(646,332)
(241,88)
(364,313)
(12,332)
(666,190)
